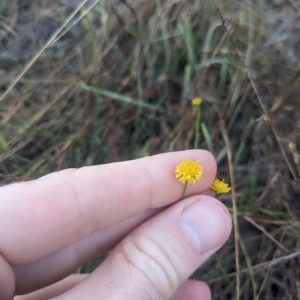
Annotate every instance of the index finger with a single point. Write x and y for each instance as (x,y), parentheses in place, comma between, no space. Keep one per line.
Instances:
(47,214)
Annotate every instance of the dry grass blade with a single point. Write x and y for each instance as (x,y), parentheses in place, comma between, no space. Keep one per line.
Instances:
(280,99)
(40,113)
(249,266)
(259,267)
(262,229)
(37,56)
(266,114)
(234,203)
(15,178)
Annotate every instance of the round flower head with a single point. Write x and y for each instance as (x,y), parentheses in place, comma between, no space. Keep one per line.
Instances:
(189,171)
(220,187)
(197,101)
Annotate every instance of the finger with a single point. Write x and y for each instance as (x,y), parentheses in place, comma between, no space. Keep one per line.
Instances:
(54,289)
(208,192)
(32,276)
(157,257)
(7,280)
(48,214)
(192,290)
(189,290)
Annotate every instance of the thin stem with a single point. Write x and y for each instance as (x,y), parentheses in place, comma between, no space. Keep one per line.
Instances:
(234,202)
(197,128)
(184,190)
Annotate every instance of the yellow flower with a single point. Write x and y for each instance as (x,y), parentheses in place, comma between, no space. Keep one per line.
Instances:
(197,101)
(220,187)
(189,171)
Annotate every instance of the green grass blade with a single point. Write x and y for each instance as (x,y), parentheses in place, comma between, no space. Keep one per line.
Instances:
(116,96)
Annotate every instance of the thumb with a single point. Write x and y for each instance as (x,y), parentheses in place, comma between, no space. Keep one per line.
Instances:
(157,257)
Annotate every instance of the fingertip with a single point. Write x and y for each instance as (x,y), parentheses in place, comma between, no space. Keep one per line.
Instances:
(206,221)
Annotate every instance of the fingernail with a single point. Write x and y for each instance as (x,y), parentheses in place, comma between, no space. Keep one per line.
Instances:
(207,224)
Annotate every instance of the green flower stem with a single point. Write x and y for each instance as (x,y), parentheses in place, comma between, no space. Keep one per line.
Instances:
(197,128)
(184,190)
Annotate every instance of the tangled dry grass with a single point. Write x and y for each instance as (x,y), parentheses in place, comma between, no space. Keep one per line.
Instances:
(114,82)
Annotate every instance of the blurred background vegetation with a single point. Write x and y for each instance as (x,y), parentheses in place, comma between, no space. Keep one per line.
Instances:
(92,82)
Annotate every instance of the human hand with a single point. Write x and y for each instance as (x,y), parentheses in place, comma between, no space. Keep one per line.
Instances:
(51,226)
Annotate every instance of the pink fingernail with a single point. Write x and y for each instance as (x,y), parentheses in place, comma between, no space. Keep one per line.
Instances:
(207,224)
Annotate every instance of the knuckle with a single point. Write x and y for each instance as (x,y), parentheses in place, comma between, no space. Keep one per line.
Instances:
(152,264)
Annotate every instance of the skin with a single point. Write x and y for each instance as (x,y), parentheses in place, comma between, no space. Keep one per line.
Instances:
(51,226)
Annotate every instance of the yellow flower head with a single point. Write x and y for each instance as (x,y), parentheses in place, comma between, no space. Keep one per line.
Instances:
(220,187)
(197,101)
(189,171)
